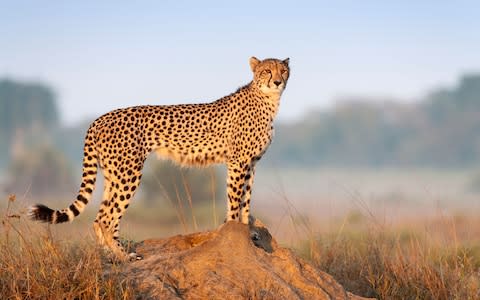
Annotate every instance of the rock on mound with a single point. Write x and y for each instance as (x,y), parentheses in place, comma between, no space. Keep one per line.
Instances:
(226,264)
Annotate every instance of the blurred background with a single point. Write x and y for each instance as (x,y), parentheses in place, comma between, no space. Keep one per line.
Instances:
(380,119)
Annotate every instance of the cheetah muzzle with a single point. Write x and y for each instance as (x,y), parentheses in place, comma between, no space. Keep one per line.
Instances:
(236,130)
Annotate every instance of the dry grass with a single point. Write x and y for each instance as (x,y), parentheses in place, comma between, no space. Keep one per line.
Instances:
(35,266)
(428,260)
(437,258)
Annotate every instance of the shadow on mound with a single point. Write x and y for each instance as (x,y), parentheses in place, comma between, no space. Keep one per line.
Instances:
(232,262)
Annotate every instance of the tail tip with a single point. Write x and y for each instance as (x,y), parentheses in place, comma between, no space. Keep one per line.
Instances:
(42,213)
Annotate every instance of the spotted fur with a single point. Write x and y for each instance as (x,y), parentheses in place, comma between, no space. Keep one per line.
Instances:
(236,130)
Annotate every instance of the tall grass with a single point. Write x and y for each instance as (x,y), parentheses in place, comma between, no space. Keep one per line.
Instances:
(436,258)
(427,261)
(34,265)
(427,257)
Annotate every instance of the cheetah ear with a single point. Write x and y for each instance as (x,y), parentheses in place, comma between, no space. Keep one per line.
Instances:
(253,63)
(286,60)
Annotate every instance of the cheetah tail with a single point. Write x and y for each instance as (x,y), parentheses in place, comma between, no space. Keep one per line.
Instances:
(43,213)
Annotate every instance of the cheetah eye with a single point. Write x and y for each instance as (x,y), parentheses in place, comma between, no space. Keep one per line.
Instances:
(284,71)
(268,71)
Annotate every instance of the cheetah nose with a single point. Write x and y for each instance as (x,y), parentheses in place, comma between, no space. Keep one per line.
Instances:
(277,82)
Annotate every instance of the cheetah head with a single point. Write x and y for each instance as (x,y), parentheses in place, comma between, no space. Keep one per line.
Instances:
(270,75)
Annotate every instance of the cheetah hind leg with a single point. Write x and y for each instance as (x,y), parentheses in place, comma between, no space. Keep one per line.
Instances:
(112,244)
(111,212)
(104,238)
(107,193)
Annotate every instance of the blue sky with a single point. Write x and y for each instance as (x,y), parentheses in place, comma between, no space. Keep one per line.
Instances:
(101,55)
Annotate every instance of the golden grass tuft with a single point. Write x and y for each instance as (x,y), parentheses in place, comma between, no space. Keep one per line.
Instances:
(431,258)
(398,264)
(35,266)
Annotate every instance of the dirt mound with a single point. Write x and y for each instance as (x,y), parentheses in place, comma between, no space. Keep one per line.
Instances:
(233,262)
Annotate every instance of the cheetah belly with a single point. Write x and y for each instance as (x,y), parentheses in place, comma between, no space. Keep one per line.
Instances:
(199,157)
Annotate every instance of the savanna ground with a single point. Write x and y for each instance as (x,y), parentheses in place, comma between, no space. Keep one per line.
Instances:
(384,234)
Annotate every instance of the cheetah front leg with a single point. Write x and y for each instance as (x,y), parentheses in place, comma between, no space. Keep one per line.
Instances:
(236,173)
(245,205)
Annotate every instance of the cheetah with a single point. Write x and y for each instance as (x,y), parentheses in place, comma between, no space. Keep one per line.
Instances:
(235,130)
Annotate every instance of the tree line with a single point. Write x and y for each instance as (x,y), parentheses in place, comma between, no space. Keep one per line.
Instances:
(440,130)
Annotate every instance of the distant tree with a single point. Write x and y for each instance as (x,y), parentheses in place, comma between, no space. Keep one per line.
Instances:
(451,136)
(27,108)
(26,104)
(468,92)
(444,103)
